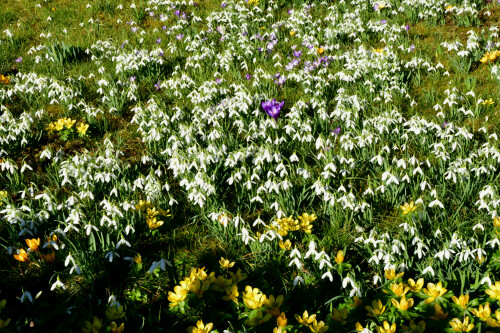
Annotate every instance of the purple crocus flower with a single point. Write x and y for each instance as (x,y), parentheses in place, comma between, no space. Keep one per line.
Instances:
(248,76)
(158,41)
(375,7)
(407,27)
(217,80)
(157,85)
(272,108)
(336,131)
(164,27)
(19,59)
(383,21)
(179,36)
(151,14)
(177,12)
(281,79)
(297,54)
(443,125)
(412,47)
(134,29)
(132,79)
(195,4)
(223,5)
(290,12)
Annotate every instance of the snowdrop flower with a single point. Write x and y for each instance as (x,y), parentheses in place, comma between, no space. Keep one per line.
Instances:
(429,270)
(26,294)
(298,280)
(58,284)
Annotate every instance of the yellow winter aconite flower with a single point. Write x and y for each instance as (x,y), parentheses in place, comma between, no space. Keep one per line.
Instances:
(225,263)
(253,298)
(253,2)
(483,312)
(232,294)
(415,287)
(458,326)
(292,33)
(438,313)
(93,327)
(22,256)
(4,79)
(258,319)
(238,276)
(434,291)
(461,300)
(408,208)
(390,274)
(376,309)
(281,321)
(359,327)
(387,328)
(356,302)
(179,294)
(318,327)
(305,320)
(221,283)
(138,259)
(340,316)
(33,244)
(3,195)
(200,327)
(415,327)
(488,102)
(320,50)
(82,128)
(274,304)
(494,291)
(399,289)
(115,312)
(114,328)
(286,245)
(339,258)
(305,222)
(378,50)
(496,222)
(448,7)
(404,304)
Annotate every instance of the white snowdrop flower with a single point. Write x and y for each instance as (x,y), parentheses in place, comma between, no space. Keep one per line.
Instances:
(419,201)
(49,18)
(478,226)
(437,233)
(295,253)
(88,6)
(27,295)
(295,262)
(298,280)
(58,284)
(294,158)
(347,280)
(429,270)
(327,275)
(111,255)
(486,280)
(76,269)
(163,263)
(436,202)
(258,221)
(122,241)
(154,266)
(376,279)
(494,242)
(69,259)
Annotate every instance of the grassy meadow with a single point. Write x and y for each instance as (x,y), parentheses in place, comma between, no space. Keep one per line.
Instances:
(249,166)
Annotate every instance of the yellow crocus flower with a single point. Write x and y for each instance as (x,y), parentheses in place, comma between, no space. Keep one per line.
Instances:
(404,304)
(22,256)
(458,326)
(281,321)
(483,312)
(179,294)
(376,309)
(200,327)
(387,328)
(33,244)
(434,291)
(82,128)
(286,245)
(461,300)
(318,327)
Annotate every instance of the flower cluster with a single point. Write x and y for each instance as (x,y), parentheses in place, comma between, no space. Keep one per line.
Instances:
(490,56)
(152,214)
(64,127)
(4,79)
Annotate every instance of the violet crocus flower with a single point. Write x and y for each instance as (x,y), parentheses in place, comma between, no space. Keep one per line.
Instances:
(19,59)
(223,5)
(134,29)
(179,36)
(383,21)
(297,54)
(177,12)
(407,27)
(157,85)
(248,76)
(158,41)
(217,80)
(272,108)
(336,131)
(281,79)
(132,79)
(290,12)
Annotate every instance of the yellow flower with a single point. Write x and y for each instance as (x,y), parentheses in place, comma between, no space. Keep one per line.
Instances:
(59,125)
(179,294)
(357,302)
(458,326)
(494,291)
(399,289)
(200,327)
(381,5)
(306,219)
(448,7)
(483,312)
(153,223)
(33,244)
(488,102)
(387,328)
(340,315)
(4,79)
(281,321)
(92,327)
(258,319)
(434,291)
(339,258)
(292,33)
(273,303)
(232,294)
(376,309)
(253,298)
(82,128)
(138,259)
(22,256)
(415,328)
(415,287)
(238,277)
(320,50)
(305,319)
(404,304)
(225,263)
(496,222)
(318,327)
(287,245)
(390,274)
(359,327)
(49,257)
(4,323)
(408,208)
(438,313)
(378,50)
(114,328)
(3,195)
(253,2)
(461,301)
(115,312)
(492,322)
(221,283)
